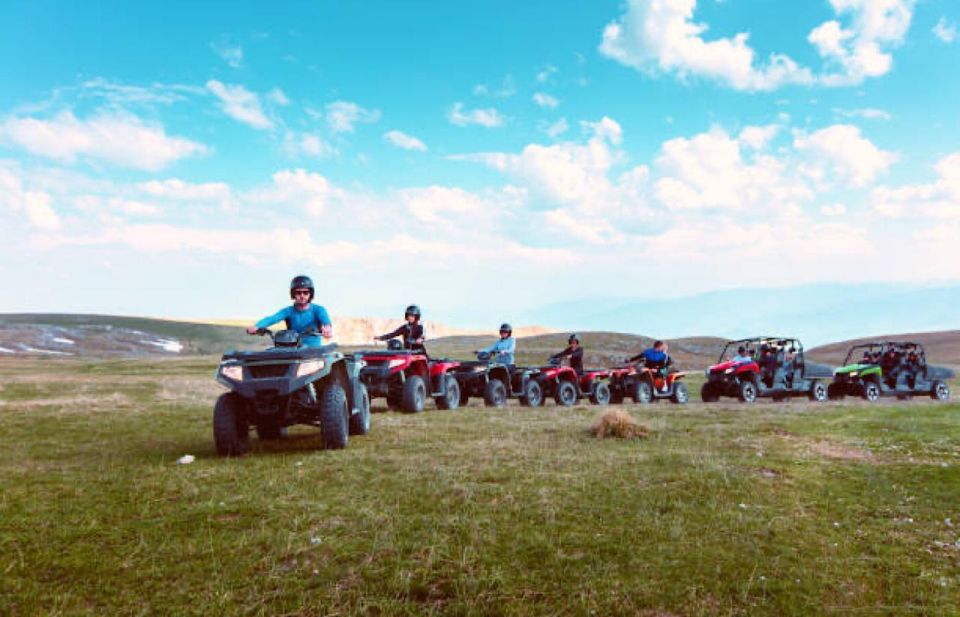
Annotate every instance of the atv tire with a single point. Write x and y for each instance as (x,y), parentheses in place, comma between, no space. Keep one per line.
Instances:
(532,394)
(230,430)
(940,391)
(642,392)
(414,394)
(871,391)
(464,396)
(681,394)
(747,391)
(360,421)
(565,394)
(495,393)
(600,394)
(709,394)
(334,417)
(835,392)
(451,394)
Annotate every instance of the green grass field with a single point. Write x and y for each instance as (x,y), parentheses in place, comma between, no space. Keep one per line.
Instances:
(770,509)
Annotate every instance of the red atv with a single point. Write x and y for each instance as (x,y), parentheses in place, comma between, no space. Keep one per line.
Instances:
(407,378)
(566,387)
(646,385)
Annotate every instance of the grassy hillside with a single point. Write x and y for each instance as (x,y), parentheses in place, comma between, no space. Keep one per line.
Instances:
(941,347)
(770,509)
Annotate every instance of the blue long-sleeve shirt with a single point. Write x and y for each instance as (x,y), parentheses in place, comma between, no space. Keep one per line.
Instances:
(504,348)
(314,316)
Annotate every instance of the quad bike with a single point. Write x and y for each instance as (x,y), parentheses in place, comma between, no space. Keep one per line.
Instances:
(407,378)
(289,384)
(496,382)
(647,385)
(890,368)
(780,374)
(566,387)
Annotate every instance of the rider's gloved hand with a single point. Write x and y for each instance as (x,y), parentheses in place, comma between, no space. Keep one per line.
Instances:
(252,330)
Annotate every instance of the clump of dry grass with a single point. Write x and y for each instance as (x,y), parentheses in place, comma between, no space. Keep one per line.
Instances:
(618,423)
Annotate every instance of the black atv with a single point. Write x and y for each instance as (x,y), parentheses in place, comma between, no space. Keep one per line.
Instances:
(497,382)
(289,384)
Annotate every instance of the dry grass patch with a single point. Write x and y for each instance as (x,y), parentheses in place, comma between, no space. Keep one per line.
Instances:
(618,423)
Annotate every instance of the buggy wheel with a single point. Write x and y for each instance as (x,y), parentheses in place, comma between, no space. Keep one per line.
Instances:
(268,427)
(871,391)
(818,391)
(940,391)
(532,394)
(708,394)
(334,415)
(565,394)
(681,394)
(747,391)
(495,394)
(414,394)
(600,394)
(230,429)
(451,394)
(835,392)
(642,391)
(360,421)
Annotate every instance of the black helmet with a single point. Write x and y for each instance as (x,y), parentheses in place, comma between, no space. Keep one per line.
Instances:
(414,310)
(505,327)
(302,281)
(574,337)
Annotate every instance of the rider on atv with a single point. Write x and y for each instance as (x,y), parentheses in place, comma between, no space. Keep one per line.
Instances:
(575,353)
(302,316)
(502,350)
(412,331)
(655,358)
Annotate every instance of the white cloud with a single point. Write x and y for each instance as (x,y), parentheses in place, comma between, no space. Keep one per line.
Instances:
(180,190)
(593,230)
(709,171)
(555,129)
(277,97)
(231,54)
(240,104)
(605,128)
(661,36)
(35,205)
(833,209)
(308,191)
(506,89)
(937,200)
(435,203)
(488,117)
(860,51)
(841,154)
(120,139)
(945,31)
(343,115)
(404,141)
(546,73)
(758,137)
(545,100)
(867,113)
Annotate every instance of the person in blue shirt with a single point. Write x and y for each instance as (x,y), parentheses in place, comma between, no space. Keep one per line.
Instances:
(742,355)
(502,351)
(302,316)
(655,358)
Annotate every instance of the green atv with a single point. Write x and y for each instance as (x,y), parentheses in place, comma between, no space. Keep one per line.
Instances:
(889,368)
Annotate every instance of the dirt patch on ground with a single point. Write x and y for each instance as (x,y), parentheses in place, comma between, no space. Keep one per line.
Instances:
(840,451)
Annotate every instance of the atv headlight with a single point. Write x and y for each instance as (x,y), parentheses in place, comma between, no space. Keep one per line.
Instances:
(852,374)
(392,364)
(233,372)
(728,371)
(309,367)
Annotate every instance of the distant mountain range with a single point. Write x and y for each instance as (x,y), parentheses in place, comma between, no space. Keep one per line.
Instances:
(816,314)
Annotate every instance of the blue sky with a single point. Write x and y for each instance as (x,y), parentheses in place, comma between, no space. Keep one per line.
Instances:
(483,159)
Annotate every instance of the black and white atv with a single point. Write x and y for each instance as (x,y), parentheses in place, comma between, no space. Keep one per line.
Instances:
(289,384)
